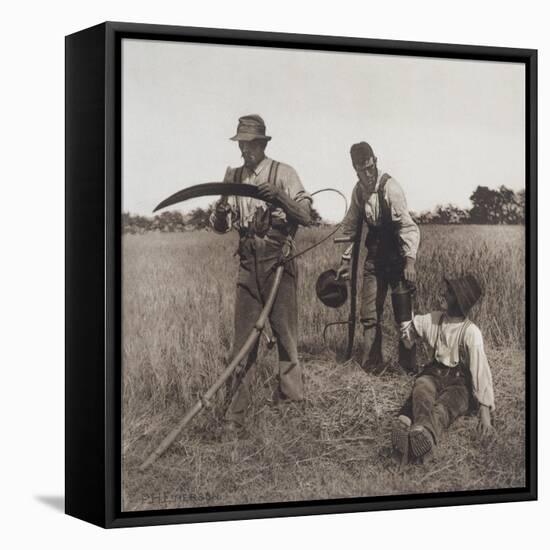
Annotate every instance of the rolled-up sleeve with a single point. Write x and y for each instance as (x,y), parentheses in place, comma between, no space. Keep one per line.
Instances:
(289,182)
(292,184)
(354,216)
(352,222)
(409,234)
(482,380)
(417,328)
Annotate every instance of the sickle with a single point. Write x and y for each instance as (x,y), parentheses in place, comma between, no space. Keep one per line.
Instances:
(213,188)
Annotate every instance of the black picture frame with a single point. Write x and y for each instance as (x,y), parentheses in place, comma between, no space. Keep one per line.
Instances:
(93,267)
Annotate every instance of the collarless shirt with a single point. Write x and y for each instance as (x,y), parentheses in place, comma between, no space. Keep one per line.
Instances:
(444,340)
(368,208)
(243,209)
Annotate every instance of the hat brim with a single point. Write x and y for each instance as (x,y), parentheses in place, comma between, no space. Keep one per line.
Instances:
(249,137)
(464,306)
(331,292)
(453,288)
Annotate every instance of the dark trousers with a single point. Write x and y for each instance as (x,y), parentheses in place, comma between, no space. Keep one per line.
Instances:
(378,276)
(438,398)
(258,258)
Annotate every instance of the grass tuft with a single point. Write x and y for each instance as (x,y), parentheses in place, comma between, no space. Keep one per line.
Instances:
(178,299)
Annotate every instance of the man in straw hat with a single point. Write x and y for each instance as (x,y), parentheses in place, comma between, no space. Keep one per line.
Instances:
(266,233)
(457,380)
(392,243)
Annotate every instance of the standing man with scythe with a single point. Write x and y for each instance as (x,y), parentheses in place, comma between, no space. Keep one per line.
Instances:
(392,243)
(266,233)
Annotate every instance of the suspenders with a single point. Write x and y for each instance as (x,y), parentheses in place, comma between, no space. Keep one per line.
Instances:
(384,208)
(437,335)
(382,241)
(273,170)
(462,355)
(271,178)
(261,221)
(238,175)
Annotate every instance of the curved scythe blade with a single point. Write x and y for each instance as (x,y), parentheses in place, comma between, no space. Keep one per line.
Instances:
(213,188)
(201,190)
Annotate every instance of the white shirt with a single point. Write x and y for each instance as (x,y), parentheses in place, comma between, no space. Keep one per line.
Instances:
(243,209)
(447,351)
(368,208)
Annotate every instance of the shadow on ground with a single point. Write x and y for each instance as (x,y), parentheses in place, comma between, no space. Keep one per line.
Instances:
(57,502)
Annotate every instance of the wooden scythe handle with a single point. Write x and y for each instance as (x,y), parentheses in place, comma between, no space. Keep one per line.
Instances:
(243,352)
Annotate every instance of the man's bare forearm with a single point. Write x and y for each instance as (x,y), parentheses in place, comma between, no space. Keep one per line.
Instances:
(485,414)
(298,212)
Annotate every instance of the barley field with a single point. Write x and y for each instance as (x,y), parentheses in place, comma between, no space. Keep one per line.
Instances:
(178,299)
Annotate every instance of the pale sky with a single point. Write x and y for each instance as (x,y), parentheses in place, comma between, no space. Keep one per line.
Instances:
(440,127)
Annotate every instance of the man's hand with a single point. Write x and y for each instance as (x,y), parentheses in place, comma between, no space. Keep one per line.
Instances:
(220,220)
(296,212)
(267,192)
(343,271)
(409,273)
(222,207)
(484,427)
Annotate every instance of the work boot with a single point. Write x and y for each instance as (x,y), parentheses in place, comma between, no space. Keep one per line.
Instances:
(400,434)
(372,360)
(407,358)
(373,365)
(421,439)
(277,397)
(284,405)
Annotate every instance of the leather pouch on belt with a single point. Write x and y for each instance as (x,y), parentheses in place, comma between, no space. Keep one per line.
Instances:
(261,221)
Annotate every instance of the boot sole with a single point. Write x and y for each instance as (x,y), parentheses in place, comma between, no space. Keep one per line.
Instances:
(400,437)
(421,442)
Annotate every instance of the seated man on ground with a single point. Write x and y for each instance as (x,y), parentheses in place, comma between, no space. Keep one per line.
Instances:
(457,381)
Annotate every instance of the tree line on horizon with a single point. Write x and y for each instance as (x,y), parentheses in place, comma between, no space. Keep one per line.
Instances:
(489,207)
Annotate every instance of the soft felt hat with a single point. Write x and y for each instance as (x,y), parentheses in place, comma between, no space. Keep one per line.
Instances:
(467,291)
(331,291)
(250,127)
(361,152)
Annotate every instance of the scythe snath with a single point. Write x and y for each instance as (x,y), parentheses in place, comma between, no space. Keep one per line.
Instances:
(226,189)
(204,401)
(352,317)
(202,190)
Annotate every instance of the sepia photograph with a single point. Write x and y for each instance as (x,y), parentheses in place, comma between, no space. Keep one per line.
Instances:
(323,275)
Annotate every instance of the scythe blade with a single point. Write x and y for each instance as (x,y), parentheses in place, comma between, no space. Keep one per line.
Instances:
(208,189)
(201,190)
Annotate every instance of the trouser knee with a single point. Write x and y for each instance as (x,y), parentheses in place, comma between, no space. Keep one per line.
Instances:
(369,323)
(441,414)
(423,386)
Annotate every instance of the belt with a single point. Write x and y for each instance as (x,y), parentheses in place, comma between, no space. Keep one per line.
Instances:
(443,370)
(274,233)
(246,232)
